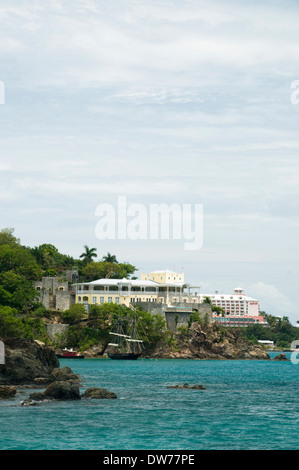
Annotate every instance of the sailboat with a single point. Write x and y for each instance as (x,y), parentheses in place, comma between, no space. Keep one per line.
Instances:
(125,346)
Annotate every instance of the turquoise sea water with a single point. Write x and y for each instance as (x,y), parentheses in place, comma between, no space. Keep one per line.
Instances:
(247,405)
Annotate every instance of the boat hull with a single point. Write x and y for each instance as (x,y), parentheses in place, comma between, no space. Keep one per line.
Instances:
(61,356)
(124,356)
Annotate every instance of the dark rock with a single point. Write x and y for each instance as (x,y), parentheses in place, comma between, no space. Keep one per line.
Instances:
(37,396)
(28,402)
(25,361)
(65,374)
(190,387)
(210,342)
(62,391)
(280,357)
(7,391)
(95,392)
(42,381)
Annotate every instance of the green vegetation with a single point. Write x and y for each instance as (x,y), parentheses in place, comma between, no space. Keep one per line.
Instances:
(22,315)
(280,330)
(88,254)
(88,330)
(12,324)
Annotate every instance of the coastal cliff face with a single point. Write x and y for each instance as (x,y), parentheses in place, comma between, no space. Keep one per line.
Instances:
(210,342)
(26,361)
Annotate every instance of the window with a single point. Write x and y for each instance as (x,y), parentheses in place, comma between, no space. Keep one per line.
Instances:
(94,300)
(109,300)
(117,300)
(79,299)
(101,300)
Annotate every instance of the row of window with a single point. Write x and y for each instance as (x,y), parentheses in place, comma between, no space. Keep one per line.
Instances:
(232,298)
(126,289)
(50,288)
(95,300)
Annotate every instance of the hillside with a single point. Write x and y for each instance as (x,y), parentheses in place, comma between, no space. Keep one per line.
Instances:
(210,342)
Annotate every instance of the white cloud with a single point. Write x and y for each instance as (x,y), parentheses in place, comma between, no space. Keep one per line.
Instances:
(272,300)
(174,101)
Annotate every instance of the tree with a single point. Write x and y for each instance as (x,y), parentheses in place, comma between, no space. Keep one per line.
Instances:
(10,325)
(7,237)
(110,258)
(18,292)
(106,270)
(88,254)
(18,259)
(50,260)
(74,314)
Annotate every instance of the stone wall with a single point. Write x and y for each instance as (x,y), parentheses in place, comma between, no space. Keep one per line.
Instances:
(179,315)
(56,329)
(54,293)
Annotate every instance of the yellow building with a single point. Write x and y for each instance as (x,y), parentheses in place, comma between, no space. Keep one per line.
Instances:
(164,277)
(159,286)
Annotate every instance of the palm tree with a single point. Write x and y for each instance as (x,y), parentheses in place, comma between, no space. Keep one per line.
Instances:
(88,254)
(110,258)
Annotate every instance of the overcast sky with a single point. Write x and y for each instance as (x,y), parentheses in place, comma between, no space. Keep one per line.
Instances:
(169,101)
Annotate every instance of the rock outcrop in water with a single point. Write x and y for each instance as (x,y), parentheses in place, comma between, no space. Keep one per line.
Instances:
(58,391)
(99,393)
(210,342)
(281,357)
(188,387)
(27,361)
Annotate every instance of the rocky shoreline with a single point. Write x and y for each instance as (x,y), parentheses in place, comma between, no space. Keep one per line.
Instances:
(29,364)
(210,342)
(32,365)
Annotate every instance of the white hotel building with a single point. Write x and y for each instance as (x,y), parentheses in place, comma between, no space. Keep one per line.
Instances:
(166,287)
(235,304)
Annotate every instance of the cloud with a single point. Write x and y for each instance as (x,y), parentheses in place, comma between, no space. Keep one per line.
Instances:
(273,300)
(175,101)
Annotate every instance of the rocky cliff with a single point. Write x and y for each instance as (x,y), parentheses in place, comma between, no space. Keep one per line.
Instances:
(26,362)
(210,342)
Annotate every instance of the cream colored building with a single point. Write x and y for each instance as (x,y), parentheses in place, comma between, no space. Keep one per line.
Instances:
(165,287)
(164,277)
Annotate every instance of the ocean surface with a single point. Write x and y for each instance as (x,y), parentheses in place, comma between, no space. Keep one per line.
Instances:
(247,405)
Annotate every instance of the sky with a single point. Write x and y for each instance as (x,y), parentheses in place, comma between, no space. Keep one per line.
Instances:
(184,102)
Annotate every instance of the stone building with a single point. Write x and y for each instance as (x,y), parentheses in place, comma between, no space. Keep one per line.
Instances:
(55,294)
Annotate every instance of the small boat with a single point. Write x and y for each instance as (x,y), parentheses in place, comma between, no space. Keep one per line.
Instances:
(126,346)
(70,354)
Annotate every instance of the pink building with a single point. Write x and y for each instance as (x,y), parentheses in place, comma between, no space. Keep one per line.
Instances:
(235,304)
